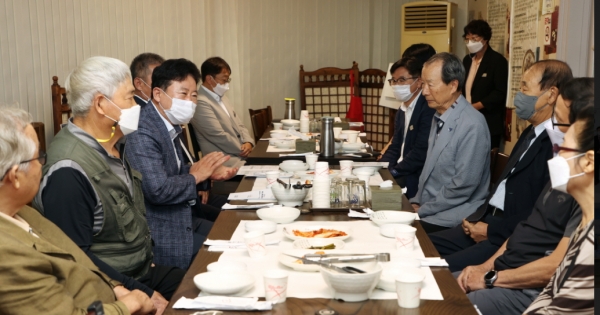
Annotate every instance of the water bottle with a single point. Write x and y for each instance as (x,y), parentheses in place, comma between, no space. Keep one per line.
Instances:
(327,144)
(290,109)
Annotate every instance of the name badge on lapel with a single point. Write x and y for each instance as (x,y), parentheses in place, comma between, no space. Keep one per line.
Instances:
(484,75)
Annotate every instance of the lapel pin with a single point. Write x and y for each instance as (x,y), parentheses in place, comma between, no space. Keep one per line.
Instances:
(411,127)
(484,75)
(449,129)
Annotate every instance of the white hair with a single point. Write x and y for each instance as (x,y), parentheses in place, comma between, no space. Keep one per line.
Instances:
(15,145)
(94,75)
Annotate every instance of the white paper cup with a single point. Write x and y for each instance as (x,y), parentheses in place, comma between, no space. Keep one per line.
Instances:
(255,242)
(272,177)
(337,131)
(321,170)
(304,125)
(311,159)
(346,167)
(303,115)
(276,285)
(408,288)
(405,238)
(277,126)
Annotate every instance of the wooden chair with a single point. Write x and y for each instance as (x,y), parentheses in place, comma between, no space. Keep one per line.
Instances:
(258,125)
(61,112)
(499,165)
(267,114)
(326,91)
(376,119)
(41,134)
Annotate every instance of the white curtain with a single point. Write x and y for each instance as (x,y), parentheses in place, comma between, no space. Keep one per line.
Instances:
(264,41)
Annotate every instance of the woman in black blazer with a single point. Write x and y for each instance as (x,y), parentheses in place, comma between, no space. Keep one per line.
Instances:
(487,82)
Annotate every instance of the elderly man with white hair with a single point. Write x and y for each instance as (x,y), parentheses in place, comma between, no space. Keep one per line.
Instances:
(88,187)
(43,271)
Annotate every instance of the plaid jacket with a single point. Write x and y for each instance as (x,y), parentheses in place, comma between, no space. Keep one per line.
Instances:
(167,190)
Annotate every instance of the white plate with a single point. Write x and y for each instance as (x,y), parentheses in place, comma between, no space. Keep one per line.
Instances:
(387,230)
(224,282)
(287,231)
(306,243)
(261,225)
(227,266)
(387,281)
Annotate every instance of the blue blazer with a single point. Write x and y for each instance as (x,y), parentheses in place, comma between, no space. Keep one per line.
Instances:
(139,101)
(167,190)
(415,148)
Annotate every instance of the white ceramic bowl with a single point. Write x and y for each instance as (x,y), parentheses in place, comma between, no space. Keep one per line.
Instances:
(387,230)
(352,146)
(289,197)
(387,281)
(352,287)
(278,135)
(286,144)
(371,170)
(292,162)
(224,282)
(227,266)
(293,167)
(390,216)
(278,214)
(290,122)
(307,243)
(260,225)
(350,131)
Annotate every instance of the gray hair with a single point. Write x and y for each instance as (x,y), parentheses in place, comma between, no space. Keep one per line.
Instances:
(452,68)
(94,75)
(15,145)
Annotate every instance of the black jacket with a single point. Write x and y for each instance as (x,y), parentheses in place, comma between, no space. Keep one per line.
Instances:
(415,148)
(490,88)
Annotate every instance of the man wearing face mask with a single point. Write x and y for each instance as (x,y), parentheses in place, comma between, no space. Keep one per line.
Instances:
(90,190)
(487,78)
(524,264)
(217,126)
(141,72)
(169,182)
(511,199)
(406,154)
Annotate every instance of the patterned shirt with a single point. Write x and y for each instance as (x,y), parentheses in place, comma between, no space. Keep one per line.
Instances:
(571,289)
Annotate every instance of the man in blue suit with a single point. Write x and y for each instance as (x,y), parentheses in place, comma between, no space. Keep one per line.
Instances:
(141,71)
(406,154)
(169,183)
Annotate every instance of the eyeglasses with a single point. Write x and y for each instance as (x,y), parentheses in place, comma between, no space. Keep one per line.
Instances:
(556,148)
(41,158)
(401,80)
(226,81)
(474,39)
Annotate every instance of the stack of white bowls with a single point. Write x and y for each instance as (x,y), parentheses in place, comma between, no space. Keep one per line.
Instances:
(321,186)
(304,121)
(290,123)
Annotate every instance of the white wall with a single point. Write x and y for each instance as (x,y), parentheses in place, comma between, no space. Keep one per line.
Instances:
(265,41)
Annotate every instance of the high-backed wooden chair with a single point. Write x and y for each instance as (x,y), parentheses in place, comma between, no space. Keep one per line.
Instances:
(267,114)
(326,91)
(499,165)
(61,112)
(258,125)
(376,119)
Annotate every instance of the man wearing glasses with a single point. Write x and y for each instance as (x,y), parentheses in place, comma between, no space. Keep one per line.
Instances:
(406,154)
(216,124)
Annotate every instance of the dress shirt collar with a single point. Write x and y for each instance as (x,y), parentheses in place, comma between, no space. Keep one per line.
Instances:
(18,221)
(412,104)
(170,128)
(213,94)
(143,100)
(540,128)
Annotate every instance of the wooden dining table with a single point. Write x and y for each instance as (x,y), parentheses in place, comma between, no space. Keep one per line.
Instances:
(455,300)
(260,156)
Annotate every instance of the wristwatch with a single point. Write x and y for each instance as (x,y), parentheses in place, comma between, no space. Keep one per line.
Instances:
(489,278)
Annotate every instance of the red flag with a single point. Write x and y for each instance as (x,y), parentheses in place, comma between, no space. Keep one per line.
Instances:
(355,110)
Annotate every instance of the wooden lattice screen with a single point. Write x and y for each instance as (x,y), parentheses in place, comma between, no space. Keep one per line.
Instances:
(376,117)
(326,91)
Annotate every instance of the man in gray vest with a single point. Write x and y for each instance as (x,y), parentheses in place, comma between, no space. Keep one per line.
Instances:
(89,189)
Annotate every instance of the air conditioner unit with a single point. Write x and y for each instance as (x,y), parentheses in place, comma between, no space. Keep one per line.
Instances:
(430,22)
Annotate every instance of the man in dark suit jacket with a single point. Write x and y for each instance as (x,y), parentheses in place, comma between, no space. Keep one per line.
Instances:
(141,73)
(169,183)
(487,78)
(406,154)
(513,197)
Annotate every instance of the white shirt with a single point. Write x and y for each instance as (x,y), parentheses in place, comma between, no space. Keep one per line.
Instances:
(172,133)
(498,198)
(18,221)
(146,101)
(407,115)
(217,98)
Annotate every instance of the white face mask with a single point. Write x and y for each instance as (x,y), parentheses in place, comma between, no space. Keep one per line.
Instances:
(474,47)
(181,111)
(560,172)
(220,89)
(402,92)
(556,136)
(128,122)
